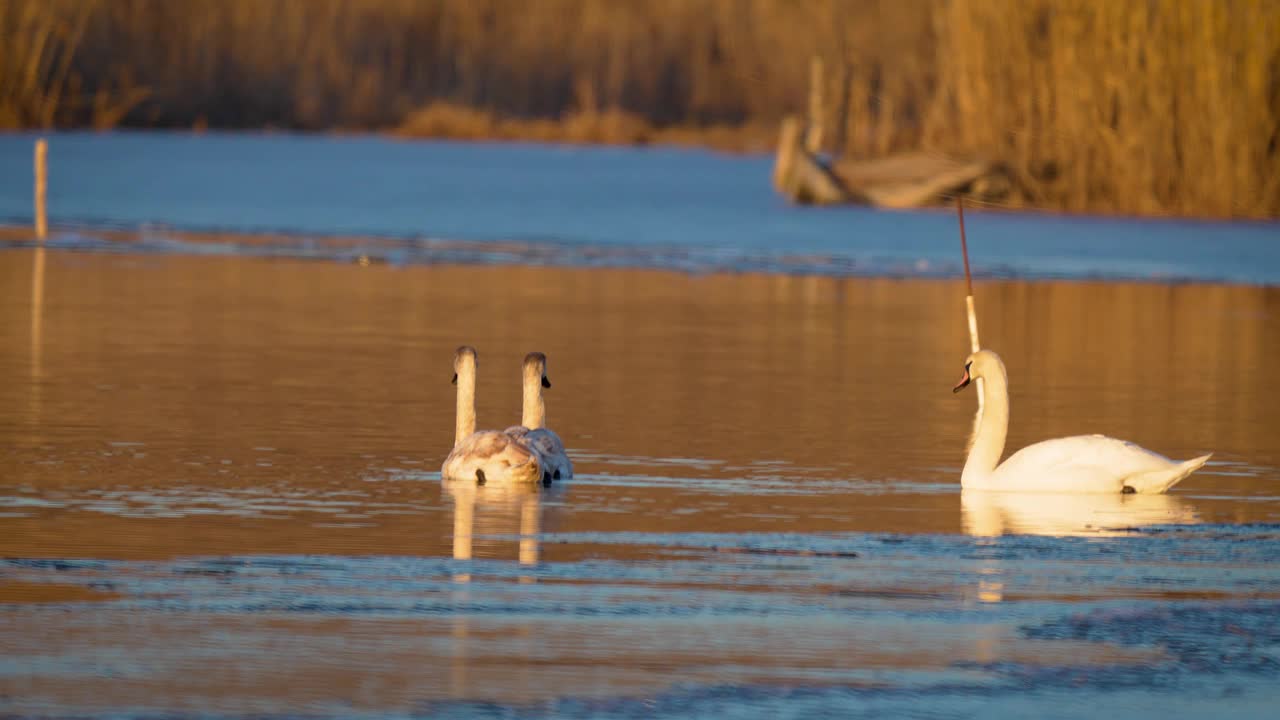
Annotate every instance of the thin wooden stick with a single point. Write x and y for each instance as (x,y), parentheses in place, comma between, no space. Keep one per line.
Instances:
(968,280)
(42,181)
(968,303)
(964,246)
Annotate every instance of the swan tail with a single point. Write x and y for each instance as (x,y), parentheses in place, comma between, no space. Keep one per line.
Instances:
(1160,481)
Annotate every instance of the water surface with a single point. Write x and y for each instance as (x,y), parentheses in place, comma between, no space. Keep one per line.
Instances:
(664,208)
(220,494)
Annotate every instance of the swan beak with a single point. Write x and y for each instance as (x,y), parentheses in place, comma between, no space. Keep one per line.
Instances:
(545,382)
(455,379)
(964,382)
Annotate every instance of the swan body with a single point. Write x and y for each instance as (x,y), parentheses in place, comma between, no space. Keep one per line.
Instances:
(551,447)
(1080,464)
(487,455)
(492,456)
(532,428)
(1089,463)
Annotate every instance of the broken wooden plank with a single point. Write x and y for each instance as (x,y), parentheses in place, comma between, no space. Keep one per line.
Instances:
(905,180)
(913,179)
(799,175)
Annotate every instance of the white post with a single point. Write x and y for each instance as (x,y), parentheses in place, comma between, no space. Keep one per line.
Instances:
(42,178)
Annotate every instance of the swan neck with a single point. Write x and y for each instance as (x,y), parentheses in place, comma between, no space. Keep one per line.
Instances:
(534,409)
(465,423)
(992,429)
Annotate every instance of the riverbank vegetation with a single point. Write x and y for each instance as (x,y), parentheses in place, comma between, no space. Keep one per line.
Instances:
(1092,105)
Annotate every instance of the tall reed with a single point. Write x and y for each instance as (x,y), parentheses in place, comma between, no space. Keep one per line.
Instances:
(38,42)
(1129,106)
(1137,106)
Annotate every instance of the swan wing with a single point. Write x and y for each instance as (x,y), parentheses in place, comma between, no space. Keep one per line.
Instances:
(549,445)
(1084,463)
(546,441)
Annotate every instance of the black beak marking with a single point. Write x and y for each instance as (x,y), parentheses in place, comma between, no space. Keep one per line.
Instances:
(545,382)
(455,379)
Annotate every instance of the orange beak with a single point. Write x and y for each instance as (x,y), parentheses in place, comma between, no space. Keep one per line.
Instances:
(964,381)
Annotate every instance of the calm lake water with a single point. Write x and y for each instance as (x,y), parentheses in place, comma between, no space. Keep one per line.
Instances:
(219,471)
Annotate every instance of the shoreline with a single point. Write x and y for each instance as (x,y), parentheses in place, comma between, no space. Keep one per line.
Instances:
(426,251)
(739,141)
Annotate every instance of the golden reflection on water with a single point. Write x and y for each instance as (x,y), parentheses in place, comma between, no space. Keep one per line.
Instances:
(37,332)
(685,397)
(992,514)
(37,311)
(168,407)
(495,509)
(988,514)
(990,585)
(207,406)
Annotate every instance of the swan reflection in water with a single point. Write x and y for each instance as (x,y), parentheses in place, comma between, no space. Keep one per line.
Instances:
(495,509)
(992,514)
(987,514)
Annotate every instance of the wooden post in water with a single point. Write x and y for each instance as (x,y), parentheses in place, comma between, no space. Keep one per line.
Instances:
(813,136)
(789,137)
(42,181)
(797,175)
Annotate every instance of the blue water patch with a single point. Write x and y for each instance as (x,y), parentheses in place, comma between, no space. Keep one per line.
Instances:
(1236,637)
(677,209)
(1164,622)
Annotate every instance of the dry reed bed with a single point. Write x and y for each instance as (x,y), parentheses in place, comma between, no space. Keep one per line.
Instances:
(1129,106)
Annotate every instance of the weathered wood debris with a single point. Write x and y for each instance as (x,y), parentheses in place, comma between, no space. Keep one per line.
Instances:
(804,175)
(906,180)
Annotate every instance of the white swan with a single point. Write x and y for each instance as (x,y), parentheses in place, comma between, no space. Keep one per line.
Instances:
(488,455)
(532,427)
(1081,464)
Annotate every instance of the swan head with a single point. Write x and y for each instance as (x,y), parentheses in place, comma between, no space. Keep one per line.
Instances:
(984,363)
(464,360)
(535,369)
